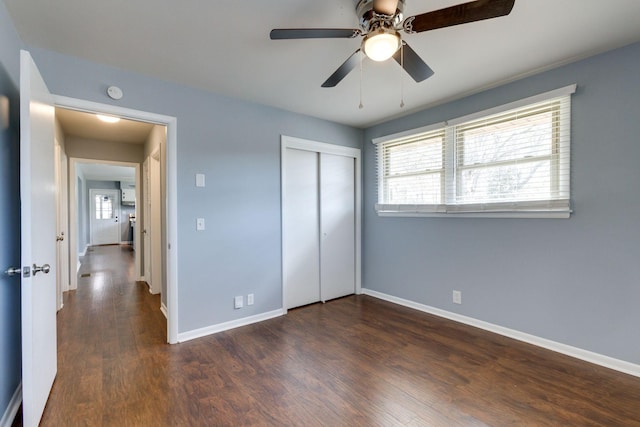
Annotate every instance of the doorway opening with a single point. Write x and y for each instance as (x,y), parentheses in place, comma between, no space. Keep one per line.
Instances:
(109,194)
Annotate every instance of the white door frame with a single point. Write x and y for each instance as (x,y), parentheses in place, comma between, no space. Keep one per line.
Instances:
(92,212)
(287,142)
(171,186)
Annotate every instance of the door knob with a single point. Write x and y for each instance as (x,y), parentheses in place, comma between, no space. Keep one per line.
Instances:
(12,271)
(46,268)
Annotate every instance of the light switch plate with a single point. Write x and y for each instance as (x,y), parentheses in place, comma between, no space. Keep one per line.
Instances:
(237,302)
(200,224)
(199,180)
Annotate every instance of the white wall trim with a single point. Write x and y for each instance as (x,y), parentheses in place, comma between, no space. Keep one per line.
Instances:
(12,409)
(163,309)
(220,327)
(578,353)
(171,183)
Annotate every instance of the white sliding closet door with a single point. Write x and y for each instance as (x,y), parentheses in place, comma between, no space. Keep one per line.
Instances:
(300,240)
(320,222)
(337,226)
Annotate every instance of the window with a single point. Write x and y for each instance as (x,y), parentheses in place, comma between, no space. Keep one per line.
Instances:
(104,207)
(512,160)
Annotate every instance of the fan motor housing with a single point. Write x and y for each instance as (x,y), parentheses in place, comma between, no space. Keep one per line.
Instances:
(370,20)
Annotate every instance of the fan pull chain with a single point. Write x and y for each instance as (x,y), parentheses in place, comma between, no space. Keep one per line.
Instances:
(402,75)
(361,106)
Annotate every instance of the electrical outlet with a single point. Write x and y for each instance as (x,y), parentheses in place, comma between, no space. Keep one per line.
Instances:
(237,302)
(250,299)
(457,297)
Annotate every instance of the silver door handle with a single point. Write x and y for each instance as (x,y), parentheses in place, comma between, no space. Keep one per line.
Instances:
(12,271)
(46,268)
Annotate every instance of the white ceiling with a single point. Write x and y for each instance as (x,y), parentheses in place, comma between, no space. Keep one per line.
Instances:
(104,172)
(223,46)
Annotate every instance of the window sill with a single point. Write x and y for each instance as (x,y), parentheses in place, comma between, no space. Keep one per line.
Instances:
(553,210)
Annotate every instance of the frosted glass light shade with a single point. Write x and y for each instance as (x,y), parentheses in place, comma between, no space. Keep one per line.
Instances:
(381,46)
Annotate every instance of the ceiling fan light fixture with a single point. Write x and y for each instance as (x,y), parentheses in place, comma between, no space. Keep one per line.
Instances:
(381,44)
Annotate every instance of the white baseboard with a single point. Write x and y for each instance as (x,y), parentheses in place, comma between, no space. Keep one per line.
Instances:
(163,309)
(578,353)
(12,409)
(214,329)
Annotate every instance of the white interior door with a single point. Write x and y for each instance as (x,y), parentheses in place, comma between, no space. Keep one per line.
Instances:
(300,233)
(146,221)
(155,229)
(38,240)
(337,226)
(62,241)
(104,218)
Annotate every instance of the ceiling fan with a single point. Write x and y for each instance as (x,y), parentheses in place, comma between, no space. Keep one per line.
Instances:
(380,24)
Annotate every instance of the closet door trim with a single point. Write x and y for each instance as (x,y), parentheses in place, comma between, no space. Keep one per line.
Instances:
(288,142)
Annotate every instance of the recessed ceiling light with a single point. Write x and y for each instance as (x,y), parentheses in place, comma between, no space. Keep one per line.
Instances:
(108,119)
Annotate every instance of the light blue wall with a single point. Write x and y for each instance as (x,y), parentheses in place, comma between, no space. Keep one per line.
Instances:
(10,343)
(575,281)
(236,144)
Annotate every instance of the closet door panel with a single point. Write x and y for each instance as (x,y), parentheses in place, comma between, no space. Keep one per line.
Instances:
(301,249)
(337,226)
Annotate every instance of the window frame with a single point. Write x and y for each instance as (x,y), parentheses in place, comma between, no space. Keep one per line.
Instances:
(554,207)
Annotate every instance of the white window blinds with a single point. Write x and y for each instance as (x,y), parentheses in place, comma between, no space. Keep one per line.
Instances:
(513,158)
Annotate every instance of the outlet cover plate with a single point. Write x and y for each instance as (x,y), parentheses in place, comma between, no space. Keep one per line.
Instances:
(457,297)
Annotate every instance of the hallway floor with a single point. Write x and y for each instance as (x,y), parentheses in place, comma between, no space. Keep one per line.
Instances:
(109,331)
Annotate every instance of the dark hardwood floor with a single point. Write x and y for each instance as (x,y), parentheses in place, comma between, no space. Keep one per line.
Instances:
(355,361)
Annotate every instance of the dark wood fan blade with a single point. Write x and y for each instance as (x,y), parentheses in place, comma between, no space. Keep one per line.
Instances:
(385,7)
(343,70)
(456,15)
(412,63)
(314,33)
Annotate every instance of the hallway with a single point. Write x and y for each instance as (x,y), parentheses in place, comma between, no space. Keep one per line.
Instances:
(108,335)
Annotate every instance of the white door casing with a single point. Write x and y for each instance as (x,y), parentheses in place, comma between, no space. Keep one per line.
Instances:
(171,230)
(38,240)
(104,217)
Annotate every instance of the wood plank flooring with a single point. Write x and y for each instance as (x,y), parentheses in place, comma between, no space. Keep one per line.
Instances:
(355,361)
